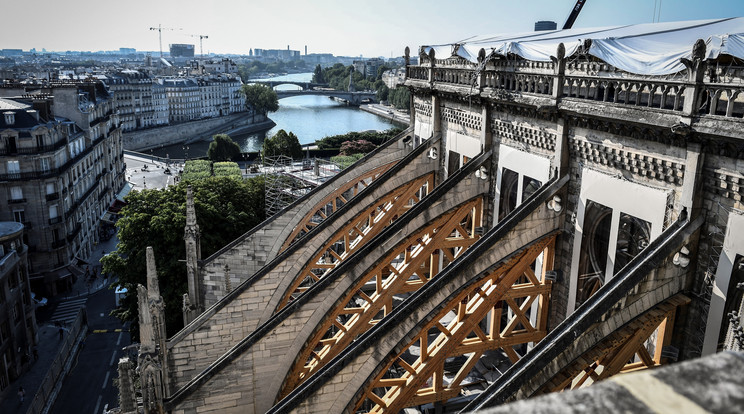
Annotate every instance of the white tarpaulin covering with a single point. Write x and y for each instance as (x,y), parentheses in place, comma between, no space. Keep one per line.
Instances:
(647,49)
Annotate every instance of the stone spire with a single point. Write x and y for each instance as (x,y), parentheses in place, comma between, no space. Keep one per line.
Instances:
(193,255)
(152,356)
(153,289)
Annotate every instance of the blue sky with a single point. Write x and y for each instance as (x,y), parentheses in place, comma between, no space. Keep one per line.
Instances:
(348,28)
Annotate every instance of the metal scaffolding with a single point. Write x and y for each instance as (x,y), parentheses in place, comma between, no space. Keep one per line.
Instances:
(287,181)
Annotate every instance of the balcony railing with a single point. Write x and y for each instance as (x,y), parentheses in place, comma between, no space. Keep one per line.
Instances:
(71,235)
(16,201)
(720,93)
(53,172)
(52,196)
(55,220)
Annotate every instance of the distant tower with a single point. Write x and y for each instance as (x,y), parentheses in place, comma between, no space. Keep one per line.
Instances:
(305,50)
(193,303)
(545,25)
(251,52)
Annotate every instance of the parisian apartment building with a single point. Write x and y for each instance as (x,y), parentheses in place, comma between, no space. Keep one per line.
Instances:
(61,166)
(144,101)
(18,330)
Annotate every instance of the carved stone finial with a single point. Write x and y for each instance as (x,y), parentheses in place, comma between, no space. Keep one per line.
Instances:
(560,53)
(422,55)
(186,304)
(585,46)
(481,55)
(228,288)
(153,290)
(699,49)
(407,53)
(432,56)
(190,210)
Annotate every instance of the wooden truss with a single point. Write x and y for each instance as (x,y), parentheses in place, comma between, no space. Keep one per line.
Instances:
(625,350)
(357,232)
(333,202)
(405,269)
(490,314)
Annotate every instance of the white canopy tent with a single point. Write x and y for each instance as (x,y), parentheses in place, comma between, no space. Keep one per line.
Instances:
(647,49)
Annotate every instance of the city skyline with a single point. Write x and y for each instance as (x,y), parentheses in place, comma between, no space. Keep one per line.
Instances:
(382,28)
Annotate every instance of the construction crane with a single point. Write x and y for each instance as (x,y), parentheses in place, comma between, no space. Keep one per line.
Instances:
(574,14)
(160,36)
(201,48)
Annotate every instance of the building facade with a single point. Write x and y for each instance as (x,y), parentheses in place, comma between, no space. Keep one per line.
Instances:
(61,165)
(559,212)
(140,101)
(18,333)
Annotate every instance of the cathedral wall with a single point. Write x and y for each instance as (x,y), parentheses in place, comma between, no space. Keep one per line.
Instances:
(255,372)
(220,328)
(249,253)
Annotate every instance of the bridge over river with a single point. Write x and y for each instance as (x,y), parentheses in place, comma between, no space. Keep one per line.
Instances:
(310,88)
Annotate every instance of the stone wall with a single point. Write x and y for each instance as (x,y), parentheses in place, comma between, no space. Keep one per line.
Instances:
(255,301)
(340,390)
(191,131)
(252,378)
(249,253)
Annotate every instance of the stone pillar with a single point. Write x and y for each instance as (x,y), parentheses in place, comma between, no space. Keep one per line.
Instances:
(436,133)
(153,348)
(691,198)
(193,255)
(694,93)
(407,57)
(560,162)
(735,334)
(127,397)
(228,287)
(560,71)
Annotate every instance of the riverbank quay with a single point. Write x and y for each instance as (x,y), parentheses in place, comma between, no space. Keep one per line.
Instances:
(387,112)
(194,131)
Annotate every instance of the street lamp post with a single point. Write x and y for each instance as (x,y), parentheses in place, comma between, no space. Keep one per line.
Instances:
(186,152)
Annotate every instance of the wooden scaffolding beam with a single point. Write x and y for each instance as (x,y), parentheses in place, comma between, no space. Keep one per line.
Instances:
(357,232)
(417,375)
(333,202)
(405,269)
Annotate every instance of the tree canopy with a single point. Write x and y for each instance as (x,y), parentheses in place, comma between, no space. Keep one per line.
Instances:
(225,209)
(318,75)
(222,148)
(361,146)
(262,98)
(375,137)
(282,143)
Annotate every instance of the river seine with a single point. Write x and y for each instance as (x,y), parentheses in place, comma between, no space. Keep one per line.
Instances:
(309,117)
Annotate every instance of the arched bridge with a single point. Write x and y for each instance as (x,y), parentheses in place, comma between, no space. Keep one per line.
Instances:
(353,98)
(303,85)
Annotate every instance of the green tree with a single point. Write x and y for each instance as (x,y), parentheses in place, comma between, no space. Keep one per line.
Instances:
(375,137)
(262,98)
(361,146)
(222,148)
(318,75)
(282,143)
(400,97)
(382,93)
(225,209)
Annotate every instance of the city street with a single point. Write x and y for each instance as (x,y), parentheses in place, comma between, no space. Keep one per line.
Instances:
(150,172)
(89,385)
